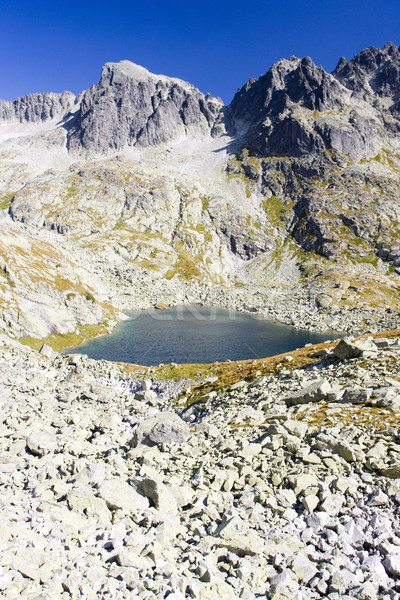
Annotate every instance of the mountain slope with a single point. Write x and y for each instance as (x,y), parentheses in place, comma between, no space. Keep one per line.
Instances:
(286,201)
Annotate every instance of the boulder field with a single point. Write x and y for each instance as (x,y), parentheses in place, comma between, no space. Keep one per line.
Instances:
(277,479)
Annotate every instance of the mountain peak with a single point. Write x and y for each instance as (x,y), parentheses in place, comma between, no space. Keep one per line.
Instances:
(372,71)
(127,68)
(390,46)
(132,106)
(113,72)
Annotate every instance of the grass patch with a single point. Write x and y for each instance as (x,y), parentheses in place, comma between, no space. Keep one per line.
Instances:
(370,259)
(170,274)
(186,265)
(148,264)
(351,415)
(251,161)
(60,342)
(391,270)
(231,372)
(5,201)
(273,208)
(205,202)
(178,372)
(71,192)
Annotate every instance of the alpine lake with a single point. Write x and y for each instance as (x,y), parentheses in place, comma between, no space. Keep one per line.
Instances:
(196,334)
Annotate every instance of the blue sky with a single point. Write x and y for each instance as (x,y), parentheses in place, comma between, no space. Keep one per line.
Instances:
(216,45)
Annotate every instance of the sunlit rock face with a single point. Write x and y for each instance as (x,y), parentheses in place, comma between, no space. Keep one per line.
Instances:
(132,106)
(298,109)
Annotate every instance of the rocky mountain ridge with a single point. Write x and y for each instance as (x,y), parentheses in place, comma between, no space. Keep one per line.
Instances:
(359,98)
(130,105)
(37,108)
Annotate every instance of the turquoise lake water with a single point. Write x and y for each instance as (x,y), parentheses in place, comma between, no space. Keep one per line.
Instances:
(194,334)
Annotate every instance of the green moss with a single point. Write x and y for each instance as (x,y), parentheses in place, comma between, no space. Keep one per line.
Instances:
(151,235)
(70,296)
(387,157)
(391,270)
(186,264)
(357,241)
(90,297)
(201,229)
(185,371)
(251,161)
(60,283)
(380,158)
(186,267)
(169,274)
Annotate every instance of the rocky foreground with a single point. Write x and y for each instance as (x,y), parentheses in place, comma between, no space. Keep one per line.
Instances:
(284,485)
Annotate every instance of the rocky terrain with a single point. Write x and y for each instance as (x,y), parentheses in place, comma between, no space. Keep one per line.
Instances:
(276,479)
(142,190)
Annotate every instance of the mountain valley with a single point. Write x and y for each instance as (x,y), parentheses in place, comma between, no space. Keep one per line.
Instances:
(142,191)
(265,479)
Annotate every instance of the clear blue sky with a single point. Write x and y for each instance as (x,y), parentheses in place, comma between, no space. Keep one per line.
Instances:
(216,45)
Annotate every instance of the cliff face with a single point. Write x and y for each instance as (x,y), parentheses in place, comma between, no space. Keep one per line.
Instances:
(372,72)
(327,145)
(131,106)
